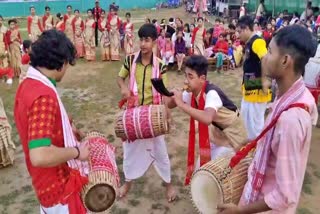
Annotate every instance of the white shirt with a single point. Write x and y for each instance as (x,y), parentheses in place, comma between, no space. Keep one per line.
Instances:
(187,39)
(212,99)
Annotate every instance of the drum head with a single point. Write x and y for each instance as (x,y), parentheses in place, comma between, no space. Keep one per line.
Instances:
(100,198)
(206,192)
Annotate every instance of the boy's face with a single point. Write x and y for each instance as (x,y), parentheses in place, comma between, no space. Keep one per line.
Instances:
(12,25)
(59,75)
(146,45)
(271,62)
(193,81)
(269,26)
(33,11)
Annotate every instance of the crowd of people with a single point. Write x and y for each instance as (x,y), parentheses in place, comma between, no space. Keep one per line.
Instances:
(276,173)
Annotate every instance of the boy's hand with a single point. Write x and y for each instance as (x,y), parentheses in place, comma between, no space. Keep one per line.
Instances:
(177,97)
(125,92)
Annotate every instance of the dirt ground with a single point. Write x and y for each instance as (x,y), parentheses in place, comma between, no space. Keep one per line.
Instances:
(90,94)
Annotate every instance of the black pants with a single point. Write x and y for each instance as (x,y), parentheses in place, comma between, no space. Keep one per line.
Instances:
(96,33)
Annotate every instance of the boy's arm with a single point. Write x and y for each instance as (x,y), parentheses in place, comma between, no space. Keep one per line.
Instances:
(123,74)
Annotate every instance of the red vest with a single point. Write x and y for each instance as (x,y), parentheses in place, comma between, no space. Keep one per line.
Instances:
(50,184)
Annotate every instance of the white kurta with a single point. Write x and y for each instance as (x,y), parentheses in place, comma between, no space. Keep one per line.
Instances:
(140,154)
(253,117)
(58,209)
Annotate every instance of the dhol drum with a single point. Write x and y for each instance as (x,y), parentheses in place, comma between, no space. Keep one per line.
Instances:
(209,187)
(142,122)
(100,193)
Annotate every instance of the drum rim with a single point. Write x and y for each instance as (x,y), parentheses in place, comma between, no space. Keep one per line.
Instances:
(93,134)
(90,185)
(214,177)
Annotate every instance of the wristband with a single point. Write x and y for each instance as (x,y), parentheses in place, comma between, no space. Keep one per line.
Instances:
(78,152)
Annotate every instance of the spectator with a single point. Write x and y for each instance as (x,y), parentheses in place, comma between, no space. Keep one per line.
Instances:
(97,10)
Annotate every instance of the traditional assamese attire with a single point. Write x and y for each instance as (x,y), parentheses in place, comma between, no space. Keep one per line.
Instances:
(41,120)
(78,28)
(227,133)
(3,47)
(104,40)
(197,5)
(47,22)
(254,101)
(113,26)
(7,146)
(13,39)
(60,26)
(167,53)
(34,27)
(68,26)
(140,154)
(197,41)
(5,70)
(128,37)
(89,40)
(277,171)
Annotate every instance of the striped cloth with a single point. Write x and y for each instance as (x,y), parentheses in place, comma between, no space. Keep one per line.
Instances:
(7,146)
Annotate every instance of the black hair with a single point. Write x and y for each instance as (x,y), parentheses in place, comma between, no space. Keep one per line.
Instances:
(171,20)
(148,30)
(148,19)
(224,35)
(217,20)
(52,50)
(76,10)
(199,18)
(59,16)
(231,26)
(69,6)
(198,63)
(163,20)
(128,14)
(296,14)
(209,31)
(154,21)
(12,20)
(47,8)
(262,1)
(289,41)
(26,44)
(89,10)
(188,27)
(168,35)
(103,11)
(244,22)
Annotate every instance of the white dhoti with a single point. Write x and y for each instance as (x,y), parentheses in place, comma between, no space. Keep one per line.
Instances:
(253,117)
(217,152)
(58,209)
(140,154)
(168,57)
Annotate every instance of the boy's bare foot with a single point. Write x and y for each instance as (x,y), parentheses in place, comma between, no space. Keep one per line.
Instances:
(125,189)
(170,192)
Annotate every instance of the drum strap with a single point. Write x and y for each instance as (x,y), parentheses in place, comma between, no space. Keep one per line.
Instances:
(243,152)
(204,144)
